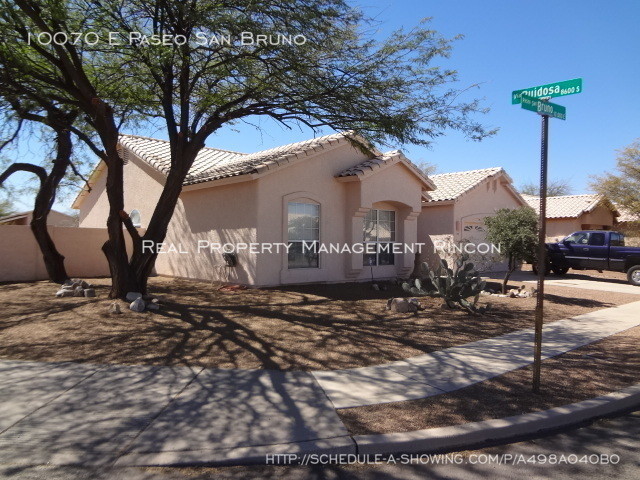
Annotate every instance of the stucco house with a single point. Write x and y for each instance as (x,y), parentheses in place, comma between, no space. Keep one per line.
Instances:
(323,192)
(454,212)
(569,213)
(54,219)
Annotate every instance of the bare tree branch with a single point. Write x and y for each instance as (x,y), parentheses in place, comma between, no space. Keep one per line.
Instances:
(14,136)
(24,167)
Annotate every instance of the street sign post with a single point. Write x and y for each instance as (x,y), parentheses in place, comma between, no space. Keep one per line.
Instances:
(543,108)
(536,99)
(558,89)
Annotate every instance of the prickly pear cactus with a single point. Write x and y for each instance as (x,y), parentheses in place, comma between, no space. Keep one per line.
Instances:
(454,286)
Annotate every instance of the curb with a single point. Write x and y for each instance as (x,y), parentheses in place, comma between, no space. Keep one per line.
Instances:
(253,455)
(433,440)
(499,430)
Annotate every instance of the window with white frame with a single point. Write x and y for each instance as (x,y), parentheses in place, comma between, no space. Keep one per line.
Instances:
(379,230)
(304,234)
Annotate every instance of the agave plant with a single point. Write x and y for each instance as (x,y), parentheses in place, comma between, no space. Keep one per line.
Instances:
(453,286)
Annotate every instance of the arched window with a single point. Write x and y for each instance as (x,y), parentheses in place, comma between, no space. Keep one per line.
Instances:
(135,218)
(304,234)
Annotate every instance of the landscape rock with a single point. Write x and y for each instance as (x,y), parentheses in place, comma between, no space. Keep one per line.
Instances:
(137,305)
(115,308)
(402,305)
(64,292)
(131,296)
(485,293)
(89,292)
(153,306)
(78,291)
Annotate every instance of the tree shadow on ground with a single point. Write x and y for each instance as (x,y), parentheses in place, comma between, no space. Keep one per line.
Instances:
(311,327)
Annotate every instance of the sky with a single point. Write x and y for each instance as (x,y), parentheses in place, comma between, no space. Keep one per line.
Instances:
(510,45)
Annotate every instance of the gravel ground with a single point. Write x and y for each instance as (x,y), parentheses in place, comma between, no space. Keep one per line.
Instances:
(298,328)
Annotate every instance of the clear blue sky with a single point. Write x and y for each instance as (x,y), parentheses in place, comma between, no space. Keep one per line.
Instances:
(509,45)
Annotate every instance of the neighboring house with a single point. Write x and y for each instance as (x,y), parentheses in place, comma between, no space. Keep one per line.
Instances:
(323,191)
(626,218)
(454,212)
(629,224)
(570,213)
(54,219)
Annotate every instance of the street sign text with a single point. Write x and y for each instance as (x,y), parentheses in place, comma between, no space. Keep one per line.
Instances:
(558,89)
(544,108)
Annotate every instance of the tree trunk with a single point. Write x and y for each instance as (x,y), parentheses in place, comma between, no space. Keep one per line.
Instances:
(142,263)
(45,198)
(511,268)
(53,260)
(115,249)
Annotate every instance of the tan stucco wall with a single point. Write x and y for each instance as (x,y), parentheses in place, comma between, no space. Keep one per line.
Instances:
(224,214)
(444,223)
(256,211)
(142,189)
(21,260)
(483,201)
(57,219)
(54,219)
(343,206)
(558,228)
(599,219)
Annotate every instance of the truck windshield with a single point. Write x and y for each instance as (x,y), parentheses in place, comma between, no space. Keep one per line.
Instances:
(581,238)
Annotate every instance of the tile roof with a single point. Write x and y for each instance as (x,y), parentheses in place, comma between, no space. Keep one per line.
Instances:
(371,165)
(450,186)
(213,163)
(626,215)
(14,216)
(568,206)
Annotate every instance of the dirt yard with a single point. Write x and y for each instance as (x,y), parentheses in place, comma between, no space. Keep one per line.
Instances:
(293,328)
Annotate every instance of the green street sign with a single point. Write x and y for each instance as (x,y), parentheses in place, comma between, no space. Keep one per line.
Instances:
(558,89)
(543,108)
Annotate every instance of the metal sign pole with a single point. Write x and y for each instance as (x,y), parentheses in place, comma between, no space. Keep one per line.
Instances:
(542,251)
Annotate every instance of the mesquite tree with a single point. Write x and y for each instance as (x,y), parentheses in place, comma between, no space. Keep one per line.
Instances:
(49,181)
(202,64)
(623,185)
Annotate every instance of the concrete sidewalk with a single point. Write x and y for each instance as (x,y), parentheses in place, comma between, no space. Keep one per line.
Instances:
(458,367)
(67,413)
(94,415)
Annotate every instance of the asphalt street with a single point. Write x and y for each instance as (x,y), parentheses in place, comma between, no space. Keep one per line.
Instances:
(616,441)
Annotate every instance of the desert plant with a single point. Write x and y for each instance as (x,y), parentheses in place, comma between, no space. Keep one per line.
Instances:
(453,286)
(515,231)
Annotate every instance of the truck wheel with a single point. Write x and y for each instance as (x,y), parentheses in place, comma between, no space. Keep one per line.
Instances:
(560,270)
(633,275)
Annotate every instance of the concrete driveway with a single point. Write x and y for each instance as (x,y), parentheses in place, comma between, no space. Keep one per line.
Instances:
(570,280)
